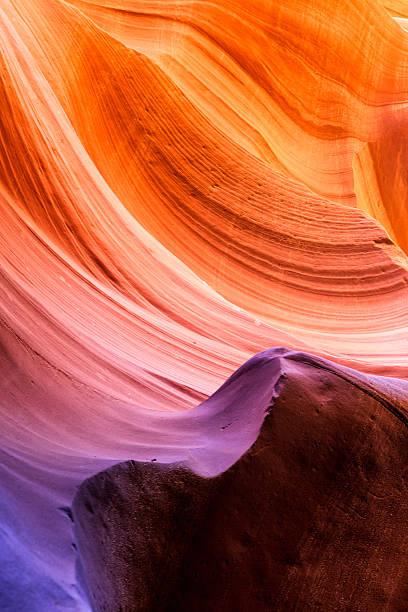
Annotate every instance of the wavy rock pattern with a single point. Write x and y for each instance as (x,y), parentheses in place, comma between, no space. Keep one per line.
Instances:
(193,186)
(300,84)
(167,207)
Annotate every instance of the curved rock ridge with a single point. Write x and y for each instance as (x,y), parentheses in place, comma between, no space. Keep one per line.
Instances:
(311,516)
(256,234)
(301,84)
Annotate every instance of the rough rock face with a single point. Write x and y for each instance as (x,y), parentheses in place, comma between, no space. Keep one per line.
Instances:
(312,516)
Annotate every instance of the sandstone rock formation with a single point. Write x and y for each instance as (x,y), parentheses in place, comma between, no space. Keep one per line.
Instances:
(182,186)
(301,84)
(312,516)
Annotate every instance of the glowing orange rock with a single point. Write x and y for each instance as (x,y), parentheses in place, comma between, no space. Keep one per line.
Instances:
(381,183)
(397,8)
(299,84)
